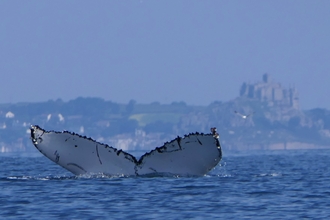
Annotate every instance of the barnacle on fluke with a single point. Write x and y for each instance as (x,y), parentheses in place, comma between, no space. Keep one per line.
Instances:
(193,155)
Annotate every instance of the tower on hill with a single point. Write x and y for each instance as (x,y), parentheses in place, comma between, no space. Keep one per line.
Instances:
(271,92)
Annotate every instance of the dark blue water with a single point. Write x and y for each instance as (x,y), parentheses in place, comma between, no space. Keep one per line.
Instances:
(268,185)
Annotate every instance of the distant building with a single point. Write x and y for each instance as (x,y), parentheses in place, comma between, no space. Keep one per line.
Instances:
(271,92)
(10,115)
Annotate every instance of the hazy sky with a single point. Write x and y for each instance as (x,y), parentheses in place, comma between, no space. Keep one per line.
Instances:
(192,51)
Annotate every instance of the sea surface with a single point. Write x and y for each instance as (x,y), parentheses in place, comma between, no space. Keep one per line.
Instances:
(245,185)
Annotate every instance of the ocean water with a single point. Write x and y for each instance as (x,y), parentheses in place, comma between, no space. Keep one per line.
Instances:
(245,185)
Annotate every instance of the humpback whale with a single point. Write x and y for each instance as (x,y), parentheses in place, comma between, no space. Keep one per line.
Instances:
(194,154)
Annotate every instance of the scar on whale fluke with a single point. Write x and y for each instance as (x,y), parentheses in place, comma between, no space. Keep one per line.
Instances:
(194,154)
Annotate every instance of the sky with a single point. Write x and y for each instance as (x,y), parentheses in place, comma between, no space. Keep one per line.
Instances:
(165,51)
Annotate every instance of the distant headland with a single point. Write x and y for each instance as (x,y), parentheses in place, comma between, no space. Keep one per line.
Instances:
(273,121)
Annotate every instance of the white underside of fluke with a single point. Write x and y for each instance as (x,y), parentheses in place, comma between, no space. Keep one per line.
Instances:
(193,155)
